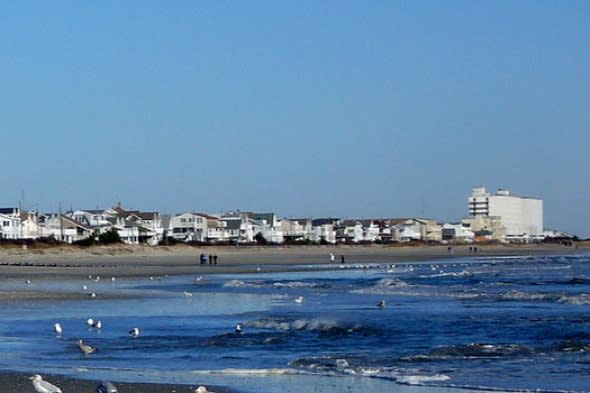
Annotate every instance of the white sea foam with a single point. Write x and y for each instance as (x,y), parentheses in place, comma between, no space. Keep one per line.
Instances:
(422,379)
(261,372)
(294,284)
(241,284)
(583,298)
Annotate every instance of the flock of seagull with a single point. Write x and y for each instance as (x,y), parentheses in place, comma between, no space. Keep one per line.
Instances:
(42,386)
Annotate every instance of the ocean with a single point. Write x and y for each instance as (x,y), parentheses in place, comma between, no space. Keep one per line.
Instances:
(456,325)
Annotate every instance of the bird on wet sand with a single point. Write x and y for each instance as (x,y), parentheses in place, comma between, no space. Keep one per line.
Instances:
(134,332)
(106,387)
(42,386)
(58,329)
(381,304)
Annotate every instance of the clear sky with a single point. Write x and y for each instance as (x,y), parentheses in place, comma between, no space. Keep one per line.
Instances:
(304,108)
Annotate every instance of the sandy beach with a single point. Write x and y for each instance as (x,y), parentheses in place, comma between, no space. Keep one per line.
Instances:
(142,261)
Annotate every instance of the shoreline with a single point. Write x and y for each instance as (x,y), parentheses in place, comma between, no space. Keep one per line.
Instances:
(18,382)
(145,261)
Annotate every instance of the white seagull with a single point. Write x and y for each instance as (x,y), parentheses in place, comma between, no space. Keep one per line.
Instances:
(106,387)
(58,329)
(381,304)
(239,328)
(299,299)
(94,324)
(87,349)
(202,389)
(134,332)
(42,386)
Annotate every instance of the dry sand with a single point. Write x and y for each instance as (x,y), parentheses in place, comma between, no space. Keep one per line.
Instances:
(138,261)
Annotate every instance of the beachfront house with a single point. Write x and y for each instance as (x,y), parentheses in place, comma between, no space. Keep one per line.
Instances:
(457,232)
(417,229)
(296,229)
(10,223)
(324,230)
(63,228)
(188,227)
(135,227)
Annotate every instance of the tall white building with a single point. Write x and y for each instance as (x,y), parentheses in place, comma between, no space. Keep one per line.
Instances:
(522,217)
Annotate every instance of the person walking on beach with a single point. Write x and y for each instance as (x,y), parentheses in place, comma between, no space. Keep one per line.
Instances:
(210,259)
(215,259)
(332,257)
(342,259)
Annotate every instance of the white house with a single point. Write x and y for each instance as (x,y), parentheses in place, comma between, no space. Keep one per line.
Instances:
(188,227)
(324,230)
(63,228)
(10,223)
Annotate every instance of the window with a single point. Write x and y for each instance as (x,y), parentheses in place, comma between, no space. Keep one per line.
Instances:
(5,223)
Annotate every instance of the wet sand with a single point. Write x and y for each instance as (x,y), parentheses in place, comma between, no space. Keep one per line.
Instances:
(13,382)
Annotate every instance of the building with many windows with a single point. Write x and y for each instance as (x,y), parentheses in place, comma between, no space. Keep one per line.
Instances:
(521,217)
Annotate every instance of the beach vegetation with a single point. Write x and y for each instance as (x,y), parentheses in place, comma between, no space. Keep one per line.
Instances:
(260,239)
(109,237)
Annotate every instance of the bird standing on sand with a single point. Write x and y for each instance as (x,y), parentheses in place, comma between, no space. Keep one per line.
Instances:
(87,349)
(239,328)
(134,332)
(42,386)
(106,387)
(58,329)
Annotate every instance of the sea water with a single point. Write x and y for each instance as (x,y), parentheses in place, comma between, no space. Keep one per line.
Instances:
(508,324)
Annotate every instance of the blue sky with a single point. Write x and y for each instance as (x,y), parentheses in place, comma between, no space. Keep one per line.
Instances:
(304,108)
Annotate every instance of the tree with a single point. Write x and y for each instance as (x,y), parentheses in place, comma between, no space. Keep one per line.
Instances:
(260,239)
(109,237)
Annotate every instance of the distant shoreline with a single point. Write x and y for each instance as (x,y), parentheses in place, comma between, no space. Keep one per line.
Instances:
(137,261)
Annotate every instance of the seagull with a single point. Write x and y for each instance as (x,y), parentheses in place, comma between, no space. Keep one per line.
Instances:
(188,294)
(239,328)
(106,387)
(134,332)
(94,324)
(299,299)
(92,294)
(381,304)
(42,386)
(87,349)
(28,282)
(202,389)
(58,329)
(84,287)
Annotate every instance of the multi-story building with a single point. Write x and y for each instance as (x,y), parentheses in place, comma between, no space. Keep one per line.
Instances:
(522,217)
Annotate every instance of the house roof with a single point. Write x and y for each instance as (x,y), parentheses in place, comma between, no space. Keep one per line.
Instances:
(8,210)
(323,221)
(232,223)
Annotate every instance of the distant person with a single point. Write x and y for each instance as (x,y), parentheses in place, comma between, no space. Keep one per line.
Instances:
(210,259)
(342,259)
(332,258)
(215,259)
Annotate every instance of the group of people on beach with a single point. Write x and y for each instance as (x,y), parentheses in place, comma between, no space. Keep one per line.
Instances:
(203,258)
